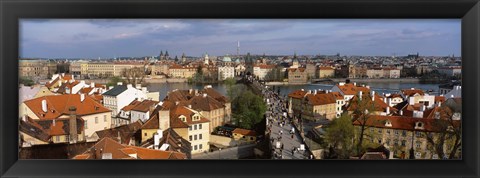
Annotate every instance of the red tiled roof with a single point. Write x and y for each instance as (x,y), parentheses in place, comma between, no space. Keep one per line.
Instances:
(325,68)
(320,99)
(178,111)
(410,92)
(58,105)
(350,89)
(298,94)
(244,132)
(145,105)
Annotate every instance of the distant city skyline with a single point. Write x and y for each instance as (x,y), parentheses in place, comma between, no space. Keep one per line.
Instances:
(94,38)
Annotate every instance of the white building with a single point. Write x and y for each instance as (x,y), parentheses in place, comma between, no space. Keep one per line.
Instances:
(225,72)
(262,70)
(122,95)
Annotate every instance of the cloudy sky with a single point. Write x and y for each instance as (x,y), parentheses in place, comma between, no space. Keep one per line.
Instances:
(88,38)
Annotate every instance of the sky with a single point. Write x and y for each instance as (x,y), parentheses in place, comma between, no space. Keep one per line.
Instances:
(109,38)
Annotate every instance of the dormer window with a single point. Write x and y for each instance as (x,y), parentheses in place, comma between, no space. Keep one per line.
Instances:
(419,125)
(388,123)
(183,118)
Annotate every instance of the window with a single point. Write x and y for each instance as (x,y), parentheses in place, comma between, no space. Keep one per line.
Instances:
(395,142)
(199,126)
(195,147)
(195,137)
(189,127)
(418,134)
(404,133)
(96,120)
(404,142)
(251,138)
(388,131)
(417,145)
(379,130)
(200,146)
(190,138)
(57,138)
(195,127)
(388,142)
(104,118)
(396,132)
(200,136)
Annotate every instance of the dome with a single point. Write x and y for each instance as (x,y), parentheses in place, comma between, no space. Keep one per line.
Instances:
(227,59)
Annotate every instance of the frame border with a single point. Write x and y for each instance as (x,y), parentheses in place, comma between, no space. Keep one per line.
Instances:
(12,10)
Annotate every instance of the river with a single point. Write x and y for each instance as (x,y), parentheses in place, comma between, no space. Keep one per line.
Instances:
(380,88)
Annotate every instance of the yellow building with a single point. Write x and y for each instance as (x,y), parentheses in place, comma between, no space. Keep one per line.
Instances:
(177,71)
(244,135)
(326,72)
(399,134)
(192,126)
(319,105)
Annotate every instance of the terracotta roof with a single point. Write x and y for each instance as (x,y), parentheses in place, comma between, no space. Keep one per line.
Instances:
(97,98)
(395,95)
(153,121)
(119,151)
(178,111)
(337,95)
(350,89)
(126,132)
(407,123)
(410,92)
(176,142)
(63,87)
(320,99)
(61,126)
(130,106)
(145,105)
(205,103)
(215,94)
(244,132)
(378,104)
(440,99)
(57,105)
(50,84)
(34,130)
(298,94)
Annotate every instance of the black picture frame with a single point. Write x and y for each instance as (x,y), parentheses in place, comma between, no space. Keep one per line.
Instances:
(12,10)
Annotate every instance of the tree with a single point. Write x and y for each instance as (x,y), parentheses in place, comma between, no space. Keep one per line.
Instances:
(230,82)
(134,75)
(114,80)
(248,108)
(339,136)
(362,113)
(26,81)
(449,133)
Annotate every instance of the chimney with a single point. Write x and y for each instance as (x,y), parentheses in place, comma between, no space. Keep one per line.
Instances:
(24,118)
(373,95)
(439,104)
(82,97)
(53,122)
(196,92)
(204,95)
(44,105)
(360,95)
(119,83)
(156,139)
(110,87)
(302,89)
(327,91)
(129,86)
(315,92)
(401,112)
(388,110)
(73,124)
(385,99)
(354,83)
(190,91)
(92,84)
(177,102)
(138,86)
(368,86)
(389,101)
(190,106)
(309,92)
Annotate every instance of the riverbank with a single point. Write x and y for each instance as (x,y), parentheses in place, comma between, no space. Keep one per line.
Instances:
(378,80)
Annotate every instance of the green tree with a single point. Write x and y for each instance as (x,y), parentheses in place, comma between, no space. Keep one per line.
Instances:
(339,136)
(362,112)
(114,80)
(26,81)
(248,108)
(230,82)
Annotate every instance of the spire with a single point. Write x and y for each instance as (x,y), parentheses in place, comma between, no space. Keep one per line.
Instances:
(295,55)
(176,59)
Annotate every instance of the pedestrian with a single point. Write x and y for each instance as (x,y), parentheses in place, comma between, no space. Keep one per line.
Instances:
(292,136)
(293,152)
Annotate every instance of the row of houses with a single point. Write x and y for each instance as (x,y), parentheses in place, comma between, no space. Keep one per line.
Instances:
(123,113)
(398,121)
